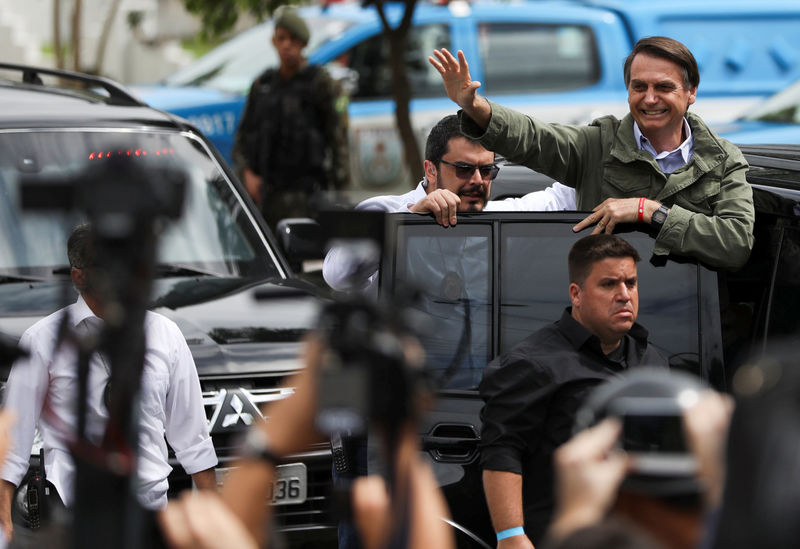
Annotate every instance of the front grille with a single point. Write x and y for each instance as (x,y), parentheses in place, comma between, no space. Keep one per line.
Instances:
(232,410)
(315,511)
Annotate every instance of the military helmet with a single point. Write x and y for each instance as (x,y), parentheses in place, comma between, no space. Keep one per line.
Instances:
(288,19)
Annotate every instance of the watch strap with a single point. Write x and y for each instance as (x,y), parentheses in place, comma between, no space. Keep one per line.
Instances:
(256,446)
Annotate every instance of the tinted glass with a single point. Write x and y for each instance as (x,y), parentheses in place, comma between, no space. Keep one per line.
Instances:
(371,60)
(525,57)
(215,234)
(452,270)
(534,289)
(783,318)
(457,265)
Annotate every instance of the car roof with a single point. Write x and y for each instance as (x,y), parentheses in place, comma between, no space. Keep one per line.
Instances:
(32,103)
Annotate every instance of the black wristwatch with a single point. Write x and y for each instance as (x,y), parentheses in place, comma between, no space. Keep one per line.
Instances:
(659,217)
(255,446)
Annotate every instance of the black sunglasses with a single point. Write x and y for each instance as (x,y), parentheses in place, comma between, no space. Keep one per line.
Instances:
(465,171)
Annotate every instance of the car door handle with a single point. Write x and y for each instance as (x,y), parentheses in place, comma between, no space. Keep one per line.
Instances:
(448,444)
(451,443)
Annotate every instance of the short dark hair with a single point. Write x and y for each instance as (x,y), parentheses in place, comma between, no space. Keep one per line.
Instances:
(439,138)
(669,49)
(593,248)
(80,250)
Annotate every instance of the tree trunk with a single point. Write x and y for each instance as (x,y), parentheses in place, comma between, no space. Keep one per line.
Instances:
(401,90)
(76,36)
(103,42)
(59,50)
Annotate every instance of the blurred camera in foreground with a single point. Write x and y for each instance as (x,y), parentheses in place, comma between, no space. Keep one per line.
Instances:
(650,404)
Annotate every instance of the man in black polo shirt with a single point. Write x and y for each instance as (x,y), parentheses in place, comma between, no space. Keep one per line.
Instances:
(531,393)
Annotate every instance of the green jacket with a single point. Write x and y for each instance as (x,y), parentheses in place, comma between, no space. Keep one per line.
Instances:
(711,204)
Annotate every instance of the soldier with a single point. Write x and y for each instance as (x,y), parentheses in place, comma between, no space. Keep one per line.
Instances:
(292,139)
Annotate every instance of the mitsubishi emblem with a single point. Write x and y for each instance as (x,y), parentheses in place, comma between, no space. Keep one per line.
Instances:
(233,410)
(238,413)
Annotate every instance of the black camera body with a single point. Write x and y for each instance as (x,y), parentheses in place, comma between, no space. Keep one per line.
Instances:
(367,379)
(653,434)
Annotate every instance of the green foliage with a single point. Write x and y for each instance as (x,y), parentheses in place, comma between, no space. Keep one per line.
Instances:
(219,16)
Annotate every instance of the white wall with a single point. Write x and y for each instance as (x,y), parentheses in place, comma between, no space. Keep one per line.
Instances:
(152,52)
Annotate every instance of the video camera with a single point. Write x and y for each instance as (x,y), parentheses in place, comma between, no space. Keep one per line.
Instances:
(373,370)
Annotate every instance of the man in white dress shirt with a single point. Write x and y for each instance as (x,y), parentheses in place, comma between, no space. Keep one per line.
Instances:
(458,178)
(44,386)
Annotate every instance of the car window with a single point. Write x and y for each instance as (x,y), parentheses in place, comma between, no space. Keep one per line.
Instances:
(783,318)
(234,65)
(370,59)
(453,274)
(525,57)
(510,278)
(214,234)
(668,305)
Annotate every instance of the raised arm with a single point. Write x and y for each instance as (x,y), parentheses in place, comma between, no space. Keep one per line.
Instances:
(460,87)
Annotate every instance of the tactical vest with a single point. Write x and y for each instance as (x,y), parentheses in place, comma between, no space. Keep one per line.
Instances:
(291,144)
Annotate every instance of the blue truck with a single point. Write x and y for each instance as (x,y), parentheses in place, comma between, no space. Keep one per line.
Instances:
(560,60)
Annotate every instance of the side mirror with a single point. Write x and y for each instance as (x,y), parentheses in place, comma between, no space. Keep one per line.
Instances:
(301,239)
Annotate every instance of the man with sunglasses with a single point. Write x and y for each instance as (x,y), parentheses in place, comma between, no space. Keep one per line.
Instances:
(458,178)
(660,165)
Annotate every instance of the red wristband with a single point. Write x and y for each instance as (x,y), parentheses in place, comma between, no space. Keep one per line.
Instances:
(641,209)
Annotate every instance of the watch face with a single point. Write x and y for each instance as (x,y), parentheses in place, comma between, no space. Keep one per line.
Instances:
(659,216)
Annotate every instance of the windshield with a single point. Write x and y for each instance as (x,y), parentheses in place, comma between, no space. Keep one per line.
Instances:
(232,66)
(782,107)
(214,236)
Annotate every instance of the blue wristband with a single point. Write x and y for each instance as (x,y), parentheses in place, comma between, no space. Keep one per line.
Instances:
(510,532)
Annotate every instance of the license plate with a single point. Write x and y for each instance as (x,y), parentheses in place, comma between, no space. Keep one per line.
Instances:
(290,485)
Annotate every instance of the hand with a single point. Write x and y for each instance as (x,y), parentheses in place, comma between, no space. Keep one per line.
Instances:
(616,210)
(443,204)
(588,475)
(706,424)
(200,520)
(252,183)
(460,87)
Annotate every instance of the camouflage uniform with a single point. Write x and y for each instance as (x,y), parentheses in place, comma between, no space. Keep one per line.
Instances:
(293,134)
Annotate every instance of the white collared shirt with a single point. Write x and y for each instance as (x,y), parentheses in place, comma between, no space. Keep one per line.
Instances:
(43,388)
(668,161)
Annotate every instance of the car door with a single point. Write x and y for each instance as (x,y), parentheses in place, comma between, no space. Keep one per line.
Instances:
(491,280)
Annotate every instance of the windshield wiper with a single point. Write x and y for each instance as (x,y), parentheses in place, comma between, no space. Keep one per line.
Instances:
(165,270)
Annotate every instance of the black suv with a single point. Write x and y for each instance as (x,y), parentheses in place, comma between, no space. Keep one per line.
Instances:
(212,261)
(507,273)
